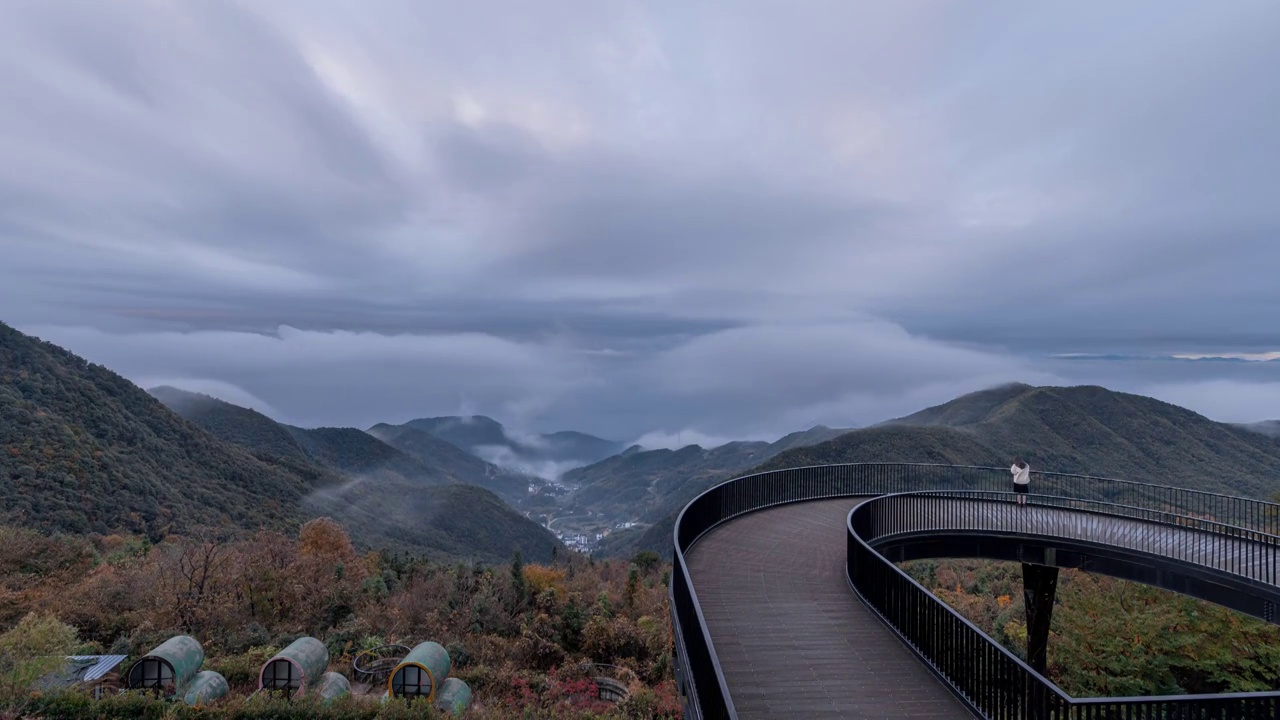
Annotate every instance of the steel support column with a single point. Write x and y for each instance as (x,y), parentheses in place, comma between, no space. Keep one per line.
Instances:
(1039,585)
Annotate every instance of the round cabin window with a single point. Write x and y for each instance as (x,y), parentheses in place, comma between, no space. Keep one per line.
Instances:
(411,681)
(281,675)
(151,674)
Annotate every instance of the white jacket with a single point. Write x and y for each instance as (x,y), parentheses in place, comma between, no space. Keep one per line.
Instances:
(1021,476)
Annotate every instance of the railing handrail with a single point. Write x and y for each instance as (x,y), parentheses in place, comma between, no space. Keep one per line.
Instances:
(715,510)
(697,607)
(870,503)
(1235,530)
(1049,473)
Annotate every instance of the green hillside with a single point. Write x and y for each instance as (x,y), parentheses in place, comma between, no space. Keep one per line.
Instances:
(445,522)
(84,450)
(247,428)
(345,451)
(1086,430)
(355,452)
(385,451)
(446,460)
(626,543)
(631,485)
(805,438)
(388,497)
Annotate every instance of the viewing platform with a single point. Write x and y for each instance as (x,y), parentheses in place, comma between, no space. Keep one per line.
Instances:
(787,602)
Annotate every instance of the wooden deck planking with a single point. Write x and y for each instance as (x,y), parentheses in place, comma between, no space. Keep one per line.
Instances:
(793,639)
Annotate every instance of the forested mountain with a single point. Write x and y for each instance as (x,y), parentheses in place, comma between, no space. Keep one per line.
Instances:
(84,450)
(449,461)
(390,497)
(445,522)
(489,439)
(355,452)
(647,485)
(1087,430)
(385,451)
(241,426)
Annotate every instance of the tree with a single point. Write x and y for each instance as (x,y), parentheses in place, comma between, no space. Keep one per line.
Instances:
(190,579)
(633,585)
(32,649)
(646,560)
(323,537)
(519,586)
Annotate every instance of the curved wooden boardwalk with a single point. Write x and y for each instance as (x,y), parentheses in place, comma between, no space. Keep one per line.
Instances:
(793,639)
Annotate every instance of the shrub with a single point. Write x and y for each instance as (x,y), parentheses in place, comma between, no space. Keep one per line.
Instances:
(35,647)
(539,578)
(242,670)
(74,706)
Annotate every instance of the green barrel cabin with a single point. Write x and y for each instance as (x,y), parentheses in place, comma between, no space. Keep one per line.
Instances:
(421,672)
(296,669)
(168,668)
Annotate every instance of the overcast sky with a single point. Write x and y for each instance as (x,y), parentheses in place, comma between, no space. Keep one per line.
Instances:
(728,219)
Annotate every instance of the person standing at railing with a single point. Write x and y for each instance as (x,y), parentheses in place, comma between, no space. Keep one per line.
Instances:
(1021,479)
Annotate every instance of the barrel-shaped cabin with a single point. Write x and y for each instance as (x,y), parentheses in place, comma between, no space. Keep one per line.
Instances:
(296,669)
(168,668)
(204,688)
(421,673)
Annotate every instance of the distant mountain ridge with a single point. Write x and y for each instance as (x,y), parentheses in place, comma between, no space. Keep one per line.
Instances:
(380,452)
(237,425)
(448,460)
(1266,427)
(403,498)
(646,485)
(1087,430)
(83,450)
(1095,431)
(540,454)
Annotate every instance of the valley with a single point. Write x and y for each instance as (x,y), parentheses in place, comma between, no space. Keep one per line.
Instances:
(120,487)
(401,485)
(626,502)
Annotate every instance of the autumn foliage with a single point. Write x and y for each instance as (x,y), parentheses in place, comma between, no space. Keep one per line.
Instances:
(520,635)
(1112,637)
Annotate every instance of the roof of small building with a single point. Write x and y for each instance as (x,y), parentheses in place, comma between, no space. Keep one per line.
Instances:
(80,669)
(91,667)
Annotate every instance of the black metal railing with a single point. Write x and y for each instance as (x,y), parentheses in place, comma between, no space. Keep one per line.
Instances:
(699,672)
(993,680)
(1230,549)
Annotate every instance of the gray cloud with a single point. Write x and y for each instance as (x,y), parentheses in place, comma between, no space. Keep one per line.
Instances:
(639,219)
